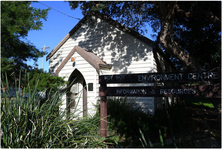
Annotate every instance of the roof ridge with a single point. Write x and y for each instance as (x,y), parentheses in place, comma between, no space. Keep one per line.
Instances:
(107,19)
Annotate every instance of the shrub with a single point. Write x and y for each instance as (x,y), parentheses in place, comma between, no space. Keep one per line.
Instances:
(33,123)
(129,121)
(124,116)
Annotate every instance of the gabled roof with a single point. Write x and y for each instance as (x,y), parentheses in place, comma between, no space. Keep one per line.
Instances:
(109,20)
(88,55)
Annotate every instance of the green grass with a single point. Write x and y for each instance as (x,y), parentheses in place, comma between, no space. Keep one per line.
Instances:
(199,101)
(210,105)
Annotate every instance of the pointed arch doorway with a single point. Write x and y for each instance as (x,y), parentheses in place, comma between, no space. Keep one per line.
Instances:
(77,89)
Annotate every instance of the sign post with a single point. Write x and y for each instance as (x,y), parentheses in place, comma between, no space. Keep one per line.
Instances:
(206,91)
(103,111)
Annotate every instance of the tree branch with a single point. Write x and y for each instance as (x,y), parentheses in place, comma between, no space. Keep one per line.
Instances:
(200,14)
(167,13)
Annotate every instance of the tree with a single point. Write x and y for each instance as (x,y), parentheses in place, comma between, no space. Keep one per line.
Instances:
(181,27)
(36,81)
(17,19)
(45,82)
(201,38)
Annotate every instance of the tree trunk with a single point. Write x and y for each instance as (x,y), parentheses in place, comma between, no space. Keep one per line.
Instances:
(165,36)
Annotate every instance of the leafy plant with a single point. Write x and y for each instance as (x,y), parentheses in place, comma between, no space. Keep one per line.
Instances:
(129,121)
(47,82)
(30,123)
(17,19)
(124,117)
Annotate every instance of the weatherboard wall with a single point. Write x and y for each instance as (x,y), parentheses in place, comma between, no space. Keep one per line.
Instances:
(124,52)
(89,73)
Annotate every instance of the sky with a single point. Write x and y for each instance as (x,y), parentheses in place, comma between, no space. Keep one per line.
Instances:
(56,27)
(60,20)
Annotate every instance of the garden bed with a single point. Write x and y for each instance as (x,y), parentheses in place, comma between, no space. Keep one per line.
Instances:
(200,127)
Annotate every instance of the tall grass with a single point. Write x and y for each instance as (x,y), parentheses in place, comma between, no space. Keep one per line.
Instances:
(131,123)
(124,116)
(35,122)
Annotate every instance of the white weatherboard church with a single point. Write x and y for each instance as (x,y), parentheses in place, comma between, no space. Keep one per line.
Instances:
(104,47)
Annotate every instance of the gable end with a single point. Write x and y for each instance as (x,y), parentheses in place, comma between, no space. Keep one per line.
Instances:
(89,56)
(82,21)
(108,20)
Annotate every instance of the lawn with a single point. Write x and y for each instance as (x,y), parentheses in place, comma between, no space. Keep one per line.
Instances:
(199,101)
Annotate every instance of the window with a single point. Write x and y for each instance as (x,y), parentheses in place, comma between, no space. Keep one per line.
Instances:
(90,87)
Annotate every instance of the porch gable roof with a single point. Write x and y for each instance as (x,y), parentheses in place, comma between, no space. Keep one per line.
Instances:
(88,55)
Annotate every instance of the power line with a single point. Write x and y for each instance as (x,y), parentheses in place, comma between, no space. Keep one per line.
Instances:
(59,11)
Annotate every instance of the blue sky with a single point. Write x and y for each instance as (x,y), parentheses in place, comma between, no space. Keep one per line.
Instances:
(55,28)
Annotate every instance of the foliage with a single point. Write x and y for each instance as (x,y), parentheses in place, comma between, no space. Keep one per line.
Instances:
(46,82)
(191,129)
(26,123)
(175,113)
(17,19)
(182,29)
(6,64)
(170,126)
(129,121)
(125,116)
(199,35)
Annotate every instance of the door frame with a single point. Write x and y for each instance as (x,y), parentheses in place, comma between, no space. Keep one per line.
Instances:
(76,74)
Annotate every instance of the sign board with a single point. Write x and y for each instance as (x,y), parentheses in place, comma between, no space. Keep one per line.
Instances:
(207,91)
(161,77)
